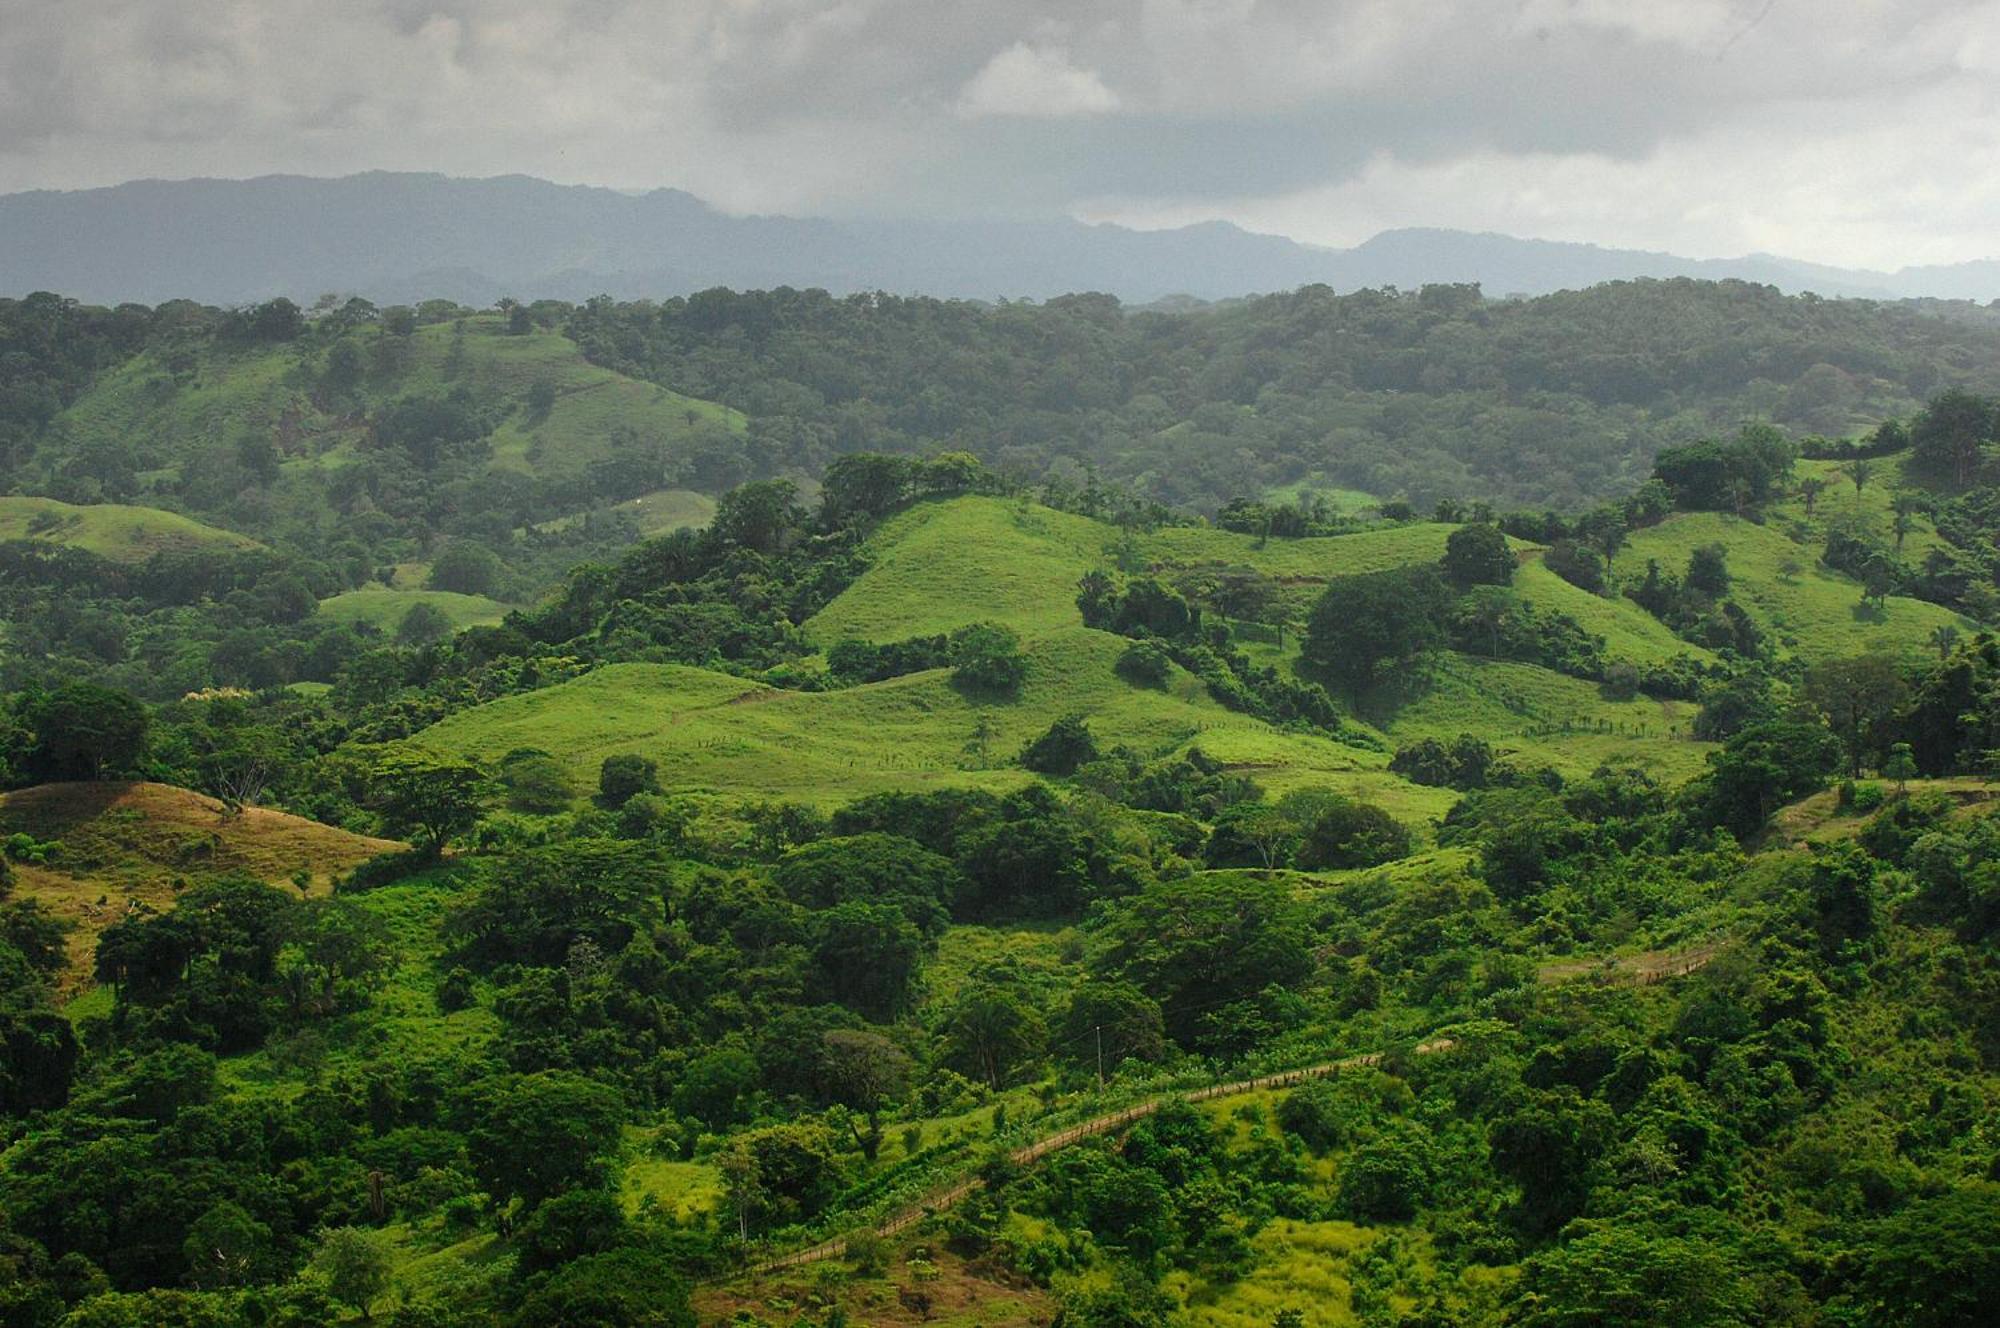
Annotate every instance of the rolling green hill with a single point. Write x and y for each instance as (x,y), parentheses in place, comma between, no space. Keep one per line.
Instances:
(710,731)
(939,566)
(385,606)
(184,413)
(111,530)
(1805,608)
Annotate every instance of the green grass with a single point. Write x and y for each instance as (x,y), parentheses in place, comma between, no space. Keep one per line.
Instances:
(656,513)
(1839,503)
(385,606)
(685,1191)
(1630,633)
(111,530)
(939,566)
(1808,611)
(1549,719)
(1344,502)
(717,733)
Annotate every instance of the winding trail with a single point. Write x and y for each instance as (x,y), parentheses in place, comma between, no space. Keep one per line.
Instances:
(938,1200)
(1655,966)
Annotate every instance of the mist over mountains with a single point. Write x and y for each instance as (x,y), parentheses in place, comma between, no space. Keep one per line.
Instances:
(405,236)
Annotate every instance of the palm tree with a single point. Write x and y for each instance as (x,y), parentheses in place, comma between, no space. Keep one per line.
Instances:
(1906,505)
(1860,472)
(1810,489)
(1944,636)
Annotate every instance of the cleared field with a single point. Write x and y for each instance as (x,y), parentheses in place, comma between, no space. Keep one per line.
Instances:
(111,530)
(126,844)
(710,731)
(1806,609)
(1550,719)
(385,606)
(1630,633)
(656,513)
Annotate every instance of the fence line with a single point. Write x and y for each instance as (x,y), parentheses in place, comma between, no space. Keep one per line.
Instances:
(946,1197)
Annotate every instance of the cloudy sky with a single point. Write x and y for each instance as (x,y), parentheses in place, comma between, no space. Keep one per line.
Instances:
(1860,132)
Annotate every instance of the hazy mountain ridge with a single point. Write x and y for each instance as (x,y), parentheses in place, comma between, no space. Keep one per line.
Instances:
(411,236)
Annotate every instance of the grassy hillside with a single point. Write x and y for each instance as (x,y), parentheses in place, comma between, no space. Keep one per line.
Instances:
(938,566)
(1805,609)
(118,846)
(385,606)
(110,530)
(653,513)
(714,732)
(274,391)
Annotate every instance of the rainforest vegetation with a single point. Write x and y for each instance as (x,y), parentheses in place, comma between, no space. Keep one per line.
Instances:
(532,816)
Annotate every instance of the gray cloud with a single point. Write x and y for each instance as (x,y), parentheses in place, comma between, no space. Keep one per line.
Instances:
(1846,130)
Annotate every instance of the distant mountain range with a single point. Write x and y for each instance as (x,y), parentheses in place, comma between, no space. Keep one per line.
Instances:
(400,237)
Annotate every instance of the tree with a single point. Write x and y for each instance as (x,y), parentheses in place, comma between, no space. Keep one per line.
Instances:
(466,568)
(1348,833)
(1949,437)
(83,731)
(1550,1147)
(621,778)
(1760,770)
(1810,488)
(862,486)
(991,1030)
(1859,473)
(538,1135)
(1901,767)
(1362,624)
(1200,943)
(1577,563)
(620,1288)
(868,956)
(432,799)
(1477,555)
(353,1265)
(1109,1022)
(1708,570)
(1622,1272)
(1944,637)
(866,1071)
(987,657)
(1857,696)
(1067,745)
(1936,1264)
(423,624)
(536,783)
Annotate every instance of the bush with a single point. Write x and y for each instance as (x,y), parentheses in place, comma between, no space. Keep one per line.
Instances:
(1478,555)
(469,569)
(621,778)
(987,657)
(1067,745)
(1145,664)
(1353,834)
(536,783)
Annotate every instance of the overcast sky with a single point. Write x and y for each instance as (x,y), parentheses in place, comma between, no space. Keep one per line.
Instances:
(1860,132)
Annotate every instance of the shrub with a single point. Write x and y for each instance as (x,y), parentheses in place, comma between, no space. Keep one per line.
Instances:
(621,778)
(987,657)
(1067,745)
(1145,664)
(1353,834)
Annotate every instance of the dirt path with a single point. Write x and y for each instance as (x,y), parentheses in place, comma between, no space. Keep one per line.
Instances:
(939,1200)
(1652,966)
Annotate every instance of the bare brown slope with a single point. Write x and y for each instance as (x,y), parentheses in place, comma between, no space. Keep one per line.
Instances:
(120,845)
